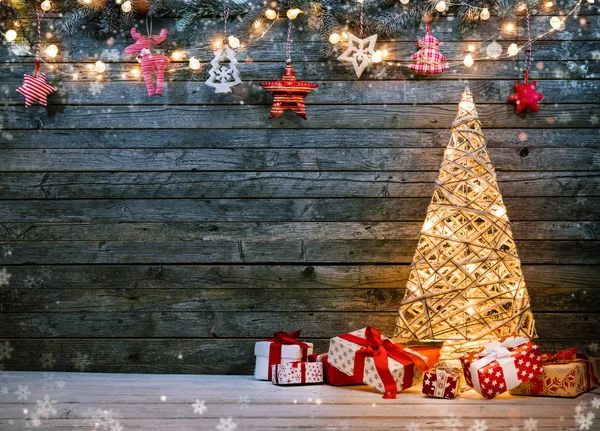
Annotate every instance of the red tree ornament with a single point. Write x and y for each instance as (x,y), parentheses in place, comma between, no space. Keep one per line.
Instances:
(525,97)
(428,60)
(288,93)
(150,62)
(35,89)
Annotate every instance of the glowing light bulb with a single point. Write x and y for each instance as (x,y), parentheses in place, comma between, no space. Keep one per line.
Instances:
(46,5)
(471,48)
(10,35)
(270,14)
(177,55)
(334,38)
(217,43)
(293,13)
(513,49)
(485,14)
(51,51)
(494,50)
(509,27)
(234,42)
(549,4)
(468,61)
(118,1)
(441,6)
(385,53)
(377,57)
(257,24)
(498,211)
(590,1)
(135,72)
(555,22)
(405,1)
(99,66)
(126,6)
(194,63)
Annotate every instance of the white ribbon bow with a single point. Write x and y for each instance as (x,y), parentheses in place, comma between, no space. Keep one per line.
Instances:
(498,351)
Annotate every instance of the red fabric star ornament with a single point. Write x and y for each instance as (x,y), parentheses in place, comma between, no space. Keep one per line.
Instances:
(35,89)
(526,97)
(288,94)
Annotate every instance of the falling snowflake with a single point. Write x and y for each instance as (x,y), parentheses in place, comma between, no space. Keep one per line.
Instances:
(4,277)
(47,360)
(46,407)
(413,426)
(110,54)
(199,407)
(594,119)
(585,421)
(95,88)
(244,402)
(593,347)
(5,348)
(33,421)
(479,426)
(595,55)
(453,423)
(596,403)
(6,250)
(23,392)
(4,390)
(226,424)
(530,425)
(579,408)
(97,418)
(81,362)
(32,282)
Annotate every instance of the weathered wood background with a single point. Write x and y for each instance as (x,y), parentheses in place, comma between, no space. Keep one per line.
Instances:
(169,234)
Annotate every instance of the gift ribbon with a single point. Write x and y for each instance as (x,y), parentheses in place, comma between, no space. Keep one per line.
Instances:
(442,372)
(279,339)
(498,351)
(300,364)
(380,349)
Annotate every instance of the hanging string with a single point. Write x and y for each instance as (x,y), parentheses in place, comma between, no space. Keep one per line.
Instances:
(362,18)
(288,44)
(148,28)
(225,19)
(527,64)
(39,42)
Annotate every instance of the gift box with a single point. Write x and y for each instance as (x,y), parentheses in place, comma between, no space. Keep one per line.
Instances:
(566,374)
(280,349)
(332,375)
(443,381)
(383,365)
(297,373)
(502,365)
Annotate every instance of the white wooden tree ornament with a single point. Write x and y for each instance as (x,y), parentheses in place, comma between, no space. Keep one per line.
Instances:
(223,74)
(359,52)
(465,286)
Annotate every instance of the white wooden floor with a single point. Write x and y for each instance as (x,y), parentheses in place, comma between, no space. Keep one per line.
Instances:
(115,402)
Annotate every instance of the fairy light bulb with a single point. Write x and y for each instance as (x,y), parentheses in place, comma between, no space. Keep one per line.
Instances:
(377,57)
(549,4)
(555,22)
(405,1)
(334,38)
(177,55)
(126,6)
(118,1)
(233,41)
(10,35)
(293,13)
(509,27)
(270,14)
(257,24)
(99,66)
(46,5)
(471,48)
(513,49)
(135,72)
(51,51)
(485,14)
(468,61)
(194,63)
(441,6)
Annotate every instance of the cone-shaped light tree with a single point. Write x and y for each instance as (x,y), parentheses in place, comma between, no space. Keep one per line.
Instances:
(465,285)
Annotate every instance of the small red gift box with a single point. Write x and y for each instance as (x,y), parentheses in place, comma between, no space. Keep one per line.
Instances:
(502,365)
(332,375)
(297,373)
(282,348)
(442,381)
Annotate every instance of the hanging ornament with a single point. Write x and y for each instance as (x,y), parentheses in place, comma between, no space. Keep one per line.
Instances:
(151,63)
(359,51)
(525,96)
(34,88)
(494,50)
(223,75)
(428,60)
(288,93)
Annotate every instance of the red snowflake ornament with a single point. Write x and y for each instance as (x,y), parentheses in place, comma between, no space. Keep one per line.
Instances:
(35,90)
(288,93)
(525,97)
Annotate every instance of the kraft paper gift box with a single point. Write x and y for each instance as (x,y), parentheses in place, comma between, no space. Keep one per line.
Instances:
(566,374)
(297,373)
(332,375)
(443,381)
(502,365)
(280,349)
(383,365)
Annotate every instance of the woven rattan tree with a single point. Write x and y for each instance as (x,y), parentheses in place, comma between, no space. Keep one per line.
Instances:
(465,285)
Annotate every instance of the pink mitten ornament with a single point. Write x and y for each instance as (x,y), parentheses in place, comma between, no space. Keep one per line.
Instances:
(150,62)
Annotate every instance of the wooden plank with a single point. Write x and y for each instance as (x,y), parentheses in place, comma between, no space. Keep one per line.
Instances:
(216,324)
(322,184)
(346,159)
(276,210)
(273,138)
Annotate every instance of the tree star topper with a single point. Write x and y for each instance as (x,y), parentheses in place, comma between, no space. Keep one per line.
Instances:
(288,93)
(223,76)
(359,52)
(526,97)
(35,89)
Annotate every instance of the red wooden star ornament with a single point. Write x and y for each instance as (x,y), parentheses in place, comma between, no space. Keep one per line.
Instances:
(35,89)
(525,96)
(288,93)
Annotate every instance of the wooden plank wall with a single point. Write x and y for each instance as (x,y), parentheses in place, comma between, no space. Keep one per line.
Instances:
(169,234)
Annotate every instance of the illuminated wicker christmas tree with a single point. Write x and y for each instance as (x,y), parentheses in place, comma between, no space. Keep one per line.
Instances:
(465,285)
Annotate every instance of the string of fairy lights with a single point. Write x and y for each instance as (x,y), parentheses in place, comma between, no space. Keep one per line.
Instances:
(260,30)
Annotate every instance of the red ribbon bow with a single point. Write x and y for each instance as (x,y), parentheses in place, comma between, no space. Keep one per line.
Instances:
(380,349)
(566,355)
(279,339)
